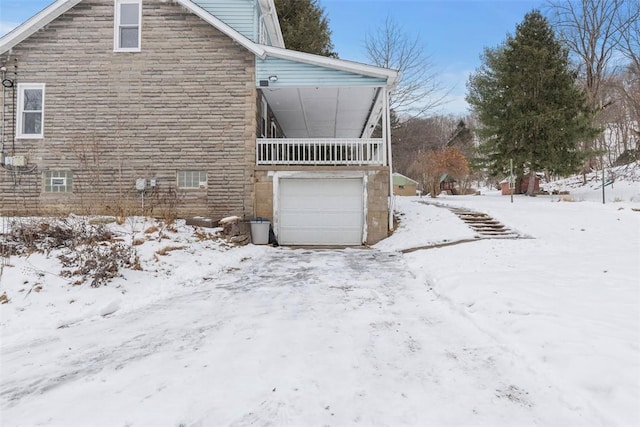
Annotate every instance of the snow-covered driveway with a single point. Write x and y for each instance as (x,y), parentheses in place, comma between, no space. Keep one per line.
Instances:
(284,337)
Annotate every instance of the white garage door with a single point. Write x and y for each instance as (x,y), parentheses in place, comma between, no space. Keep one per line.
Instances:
(320,211)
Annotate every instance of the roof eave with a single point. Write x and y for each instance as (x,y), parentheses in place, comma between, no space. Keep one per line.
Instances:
(51,12)
(35,23)
(391,76)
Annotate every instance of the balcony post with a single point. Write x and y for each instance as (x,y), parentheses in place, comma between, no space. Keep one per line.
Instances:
(386,140)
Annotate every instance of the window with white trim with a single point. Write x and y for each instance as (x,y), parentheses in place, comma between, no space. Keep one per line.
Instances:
(192,179)
(127,25)
(30,114)
(57,181)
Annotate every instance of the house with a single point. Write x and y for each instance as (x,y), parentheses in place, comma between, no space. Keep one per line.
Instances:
(403,185)
(192,107)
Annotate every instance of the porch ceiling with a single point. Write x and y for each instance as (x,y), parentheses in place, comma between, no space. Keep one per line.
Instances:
(322,112)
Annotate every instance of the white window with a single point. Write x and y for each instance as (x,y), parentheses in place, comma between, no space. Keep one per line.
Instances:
(57,181)
(30,114)
(274,129)
(192,179)
(128,17)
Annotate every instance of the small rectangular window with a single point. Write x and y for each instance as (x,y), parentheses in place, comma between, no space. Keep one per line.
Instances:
(192,179)
(127,34)
(57,181)
(30,114)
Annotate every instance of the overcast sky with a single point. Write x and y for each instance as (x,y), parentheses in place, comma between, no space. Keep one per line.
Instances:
(452,32)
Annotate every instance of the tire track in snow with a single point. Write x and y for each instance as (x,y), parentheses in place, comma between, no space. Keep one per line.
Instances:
(345,335)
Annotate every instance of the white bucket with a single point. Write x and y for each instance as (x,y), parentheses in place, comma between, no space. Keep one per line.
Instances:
(260,231)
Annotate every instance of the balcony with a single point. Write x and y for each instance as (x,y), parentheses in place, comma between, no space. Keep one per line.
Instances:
(321,151)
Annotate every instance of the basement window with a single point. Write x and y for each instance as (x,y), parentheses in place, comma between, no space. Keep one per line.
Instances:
(30,114)
(128,17)
(192,179)
(57,181)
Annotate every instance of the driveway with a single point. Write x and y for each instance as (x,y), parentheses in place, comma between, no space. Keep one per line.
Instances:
(290,337)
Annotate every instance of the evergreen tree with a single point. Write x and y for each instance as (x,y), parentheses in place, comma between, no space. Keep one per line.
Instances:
(529,105)
(305,27)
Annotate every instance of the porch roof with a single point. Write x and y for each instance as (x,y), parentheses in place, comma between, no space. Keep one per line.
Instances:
(318,97)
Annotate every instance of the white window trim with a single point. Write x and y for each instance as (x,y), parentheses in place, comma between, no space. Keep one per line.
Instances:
(116,26)
(20,110)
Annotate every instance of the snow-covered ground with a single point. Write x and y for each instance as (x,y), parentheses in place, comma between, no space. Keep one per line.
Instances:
(536,331)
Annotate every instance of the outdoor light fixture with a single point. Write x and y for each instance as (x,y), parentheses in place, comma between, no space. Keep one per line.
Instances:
(5,81)
(273,79)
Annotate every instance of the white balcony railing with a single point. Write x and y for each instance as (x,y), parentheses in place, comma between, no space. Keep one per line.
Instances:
(308,151)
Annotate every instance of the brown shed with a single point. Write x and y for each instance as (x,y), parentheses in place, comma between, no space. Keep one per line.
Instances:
(403,185)
(505,190)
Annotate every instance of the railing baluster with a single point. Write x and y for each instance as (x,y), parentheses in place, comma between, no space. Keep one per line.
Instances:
(319,151)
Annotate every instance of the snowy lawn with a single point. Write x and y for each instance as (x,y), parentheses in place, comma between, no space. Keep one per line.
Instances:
(541,331)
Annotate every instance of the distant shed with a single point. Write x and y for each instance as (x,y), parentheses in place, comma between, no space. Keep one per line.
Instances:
(403,185)
(506,190)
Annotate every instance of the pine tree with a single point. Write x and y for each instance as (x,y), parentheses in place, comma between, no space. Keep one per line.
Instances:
(305,27)
(529,105)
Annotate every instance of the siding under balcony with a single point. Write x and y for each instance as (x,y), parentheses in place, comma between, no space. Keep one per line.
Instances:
(321,151)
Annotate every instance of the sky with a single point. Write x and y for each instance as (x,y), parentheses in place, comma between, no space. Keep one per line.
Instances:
(453,33)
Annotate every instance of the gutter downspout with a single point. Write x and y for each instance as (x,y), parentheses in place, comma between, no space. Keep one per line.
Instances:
(386,125)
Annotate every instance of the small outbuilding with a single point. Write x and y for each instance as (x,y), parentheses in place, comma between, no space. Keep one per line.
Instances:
(448,184)
(506,190)
(403,185)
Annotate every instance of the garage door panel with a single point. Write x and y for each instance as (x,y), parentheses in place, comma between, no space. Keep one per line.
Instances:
(328,237)
(326,205)
(301,219)
(321,211)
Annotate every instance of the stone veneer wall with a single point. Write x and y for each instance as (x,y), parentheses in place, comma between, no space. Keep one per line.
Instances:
(186,101)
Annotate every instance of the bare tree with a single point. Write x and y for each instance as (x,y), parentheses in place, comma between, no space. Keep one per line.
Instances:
(629,36)
(418,90)
(595,32)
(590,29)
(417,135)
(431,165)
(629,46)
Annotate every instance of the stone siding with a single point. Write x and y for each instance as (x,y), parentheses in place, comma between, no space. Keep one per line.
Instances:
(186,101)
